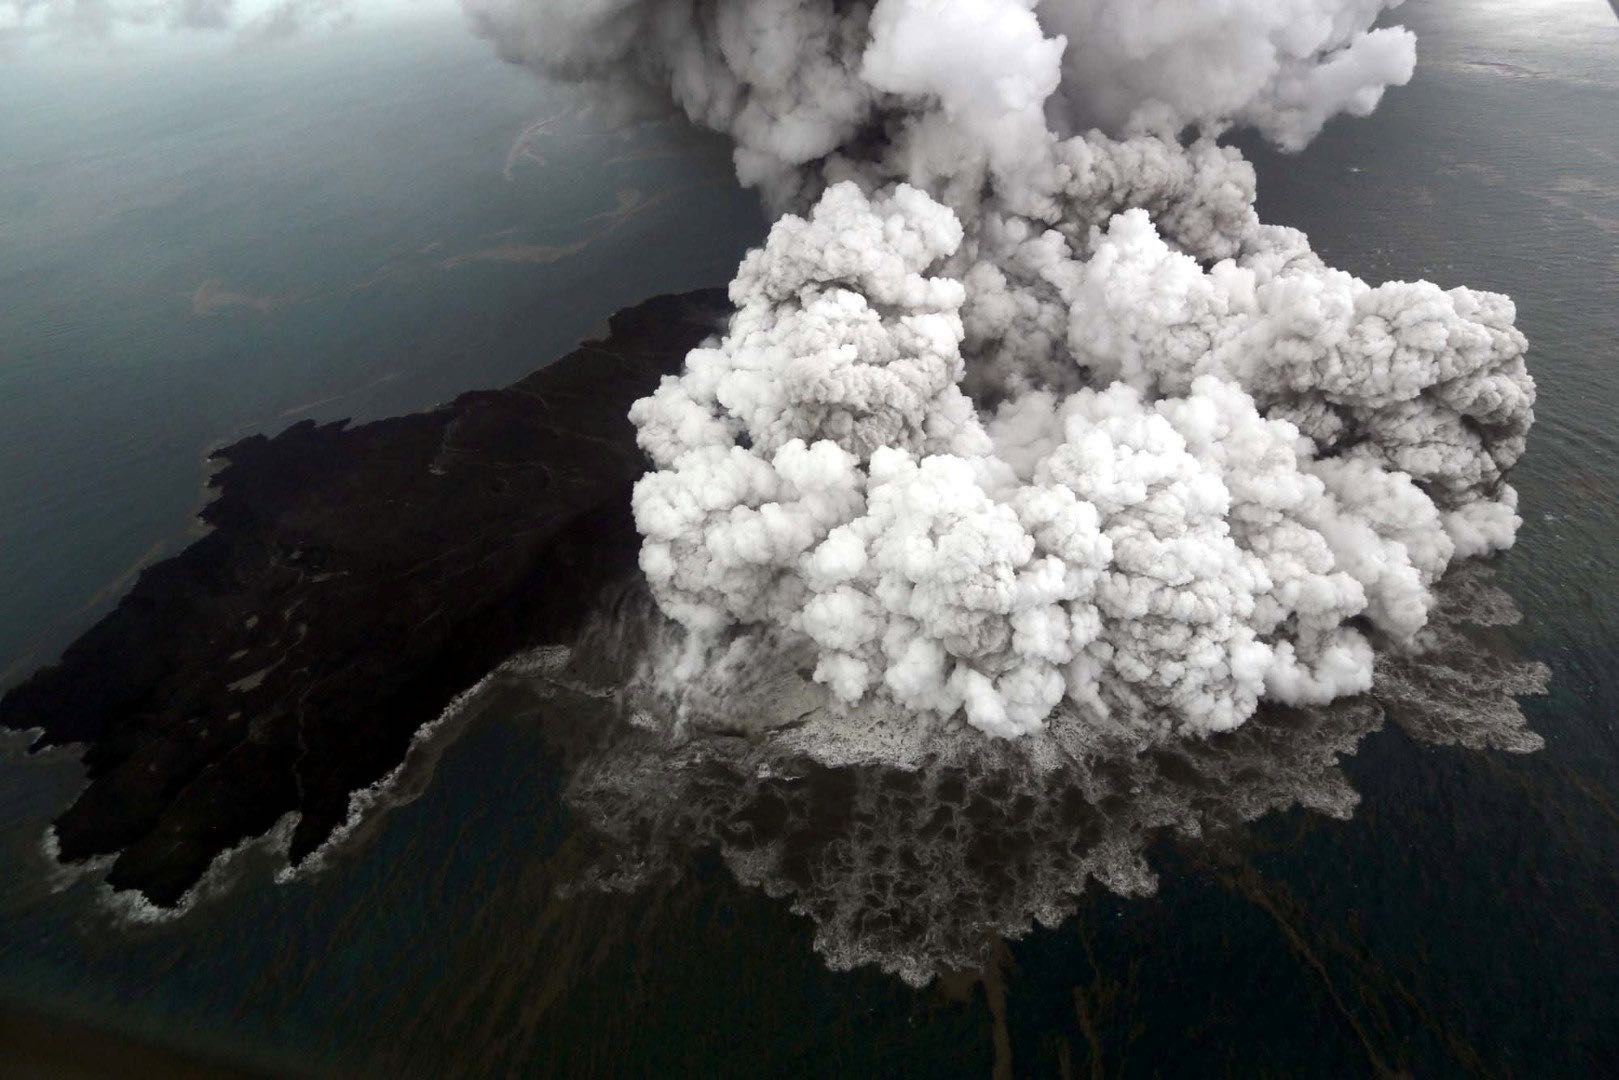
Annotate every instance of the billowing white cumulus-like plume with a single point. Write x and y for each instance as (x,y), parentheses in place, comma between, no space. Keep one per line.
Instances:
(1018,414)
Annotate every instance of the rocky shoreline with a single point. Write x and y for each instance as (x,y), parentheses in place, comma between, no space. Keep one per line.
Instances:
(355,580)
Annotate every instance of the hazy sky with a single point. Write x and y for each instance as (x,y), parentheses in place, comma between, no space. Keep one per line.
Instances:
(77,29)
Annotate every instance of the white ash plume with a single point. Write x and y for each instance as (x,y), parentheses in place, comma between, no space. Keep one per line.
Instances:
(1012,420)
(1283,67)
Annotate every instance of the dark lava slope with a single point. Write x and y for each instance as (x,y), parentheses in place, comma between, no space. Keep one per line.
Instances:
(356,579)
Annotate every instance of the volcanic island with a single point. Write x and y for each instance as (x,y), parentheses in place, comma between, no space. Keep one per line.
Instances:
(355,579)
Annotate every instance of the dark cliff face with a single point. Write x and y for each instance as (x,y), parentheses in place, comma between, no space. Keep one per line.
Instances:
(356,579)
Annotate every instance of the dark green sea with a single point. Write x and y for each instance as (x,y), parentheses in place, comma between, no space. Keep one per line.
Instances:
(191,253)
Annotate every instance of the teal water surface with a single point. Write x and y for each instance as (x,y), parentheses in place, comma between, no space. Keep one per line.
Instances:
(195,249)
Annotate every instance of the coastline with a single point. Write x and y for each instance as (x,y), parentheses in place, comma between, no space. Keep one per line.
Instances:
(355,581)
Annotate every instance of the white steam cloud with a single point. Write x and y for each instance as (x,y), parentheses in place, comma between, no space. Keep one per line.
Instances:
(1018,414)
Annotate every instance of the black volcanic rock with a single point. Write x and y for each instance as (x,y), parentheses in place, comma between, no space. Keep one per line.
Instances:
(356,579)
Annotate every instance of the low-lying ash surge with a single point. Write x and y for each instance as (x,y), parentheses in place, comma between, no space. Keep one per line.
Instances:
(918,861)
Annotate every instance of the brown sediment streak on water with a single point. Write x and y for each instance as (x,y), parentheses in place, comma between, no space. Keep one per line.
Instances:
(1065,1059)
(1101,998)
(1598,798)
(1087,1027)
(994,979)
(1247,882)
(1375,988)
(1549,798)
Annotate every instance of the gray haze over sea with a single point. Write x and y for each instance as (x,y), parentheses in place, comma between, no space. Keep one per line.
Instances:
(373,221)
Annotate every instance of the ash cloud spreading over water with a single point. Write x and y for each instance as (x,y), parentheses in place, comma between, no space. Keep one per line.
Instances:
(917,858)
(1024,413)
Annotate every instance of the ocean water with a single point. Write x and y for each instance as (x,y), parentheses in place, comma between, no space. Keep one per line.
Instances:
(1460,921)
(200,247)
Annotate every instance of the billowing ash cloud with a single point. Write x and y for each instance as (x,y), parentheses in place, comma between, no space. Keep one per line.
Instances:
(1019,416)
